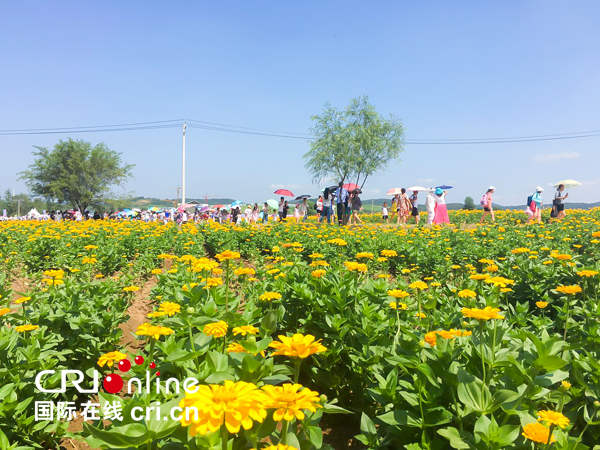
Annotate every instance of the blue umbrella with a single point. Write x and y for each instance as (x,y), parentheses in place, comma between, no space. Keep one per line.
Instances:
(443,186)
(237,202)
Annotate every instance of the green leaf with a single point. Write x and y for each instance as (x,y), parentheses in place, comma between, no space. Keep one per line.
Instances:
(550,362)
(366,425)
(473,393)
(218,377)
(400,418)
(453,436)
(131,435)
(316,436)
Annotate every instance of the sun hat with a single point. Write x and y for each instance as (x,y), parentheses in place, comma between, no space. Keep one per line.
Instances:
(439,191)
(539,189)
(491,188)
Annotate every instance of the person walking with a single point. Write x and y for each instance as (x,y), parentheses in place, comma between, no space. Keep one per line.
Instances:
(280,210)
(341,203)
(414,200)
(286,208)
(265,213)
(404,207)
(384,213)
(325,207)
(255,213)
(356,207)
(430,206)
(441,211)
(534,207)
(319,208)
(558,207)
(297,213)
(486,202)
(304,209)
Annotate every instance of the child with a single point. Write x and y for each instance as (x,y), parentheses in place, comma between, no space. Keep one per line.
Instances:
(384,213)
(297,213)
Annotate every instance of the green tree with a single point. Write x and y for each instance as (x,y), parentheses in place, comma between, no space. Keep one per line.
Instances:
(354,143)
(75,172)
(469,203)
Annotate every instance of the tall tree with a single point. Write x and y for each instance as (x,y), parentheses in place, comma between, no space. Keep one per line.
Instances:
(353,144)
(469,203)
(75,172)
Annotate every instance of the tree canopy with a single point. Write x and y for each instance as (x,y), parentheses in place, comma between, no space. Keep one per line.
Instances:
(75,172)
(469,203)
(354,143)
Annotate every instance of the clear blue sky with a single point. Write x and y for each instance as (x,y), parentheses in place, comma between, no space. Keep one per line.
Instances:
(461,69)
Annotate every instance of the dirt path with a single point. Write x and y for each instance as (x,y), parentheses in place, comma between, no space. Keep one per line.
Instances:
(141,305)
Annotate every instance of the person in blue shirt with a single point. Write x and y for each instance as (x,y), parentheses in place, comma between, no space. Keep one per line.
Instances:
(341,203)
(534,210)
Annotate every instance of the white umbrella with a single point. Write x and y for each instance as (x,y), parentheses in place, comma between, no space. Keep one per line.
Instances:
(394,191)
(568,183)
(416,188)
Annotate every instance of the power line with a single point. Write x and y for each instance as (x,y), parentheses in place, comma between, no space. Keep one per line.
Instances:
(225,128)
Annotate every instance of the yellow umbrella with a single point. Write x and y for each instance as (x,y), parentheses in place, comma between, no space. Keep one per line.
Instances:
(568,183)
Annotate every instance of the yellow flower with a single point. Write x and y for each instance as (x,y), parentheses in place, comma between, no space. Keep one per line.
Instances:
(315,256)
(90,247)
(499,281)
(467,293)
(22,300)
(319,273)
(553,418)
(492,268)
(4,311)
(482,314)
(505,289)
(418,285)
(479,276)
(420,315)
(389,253)
(269,296)
(216,329)
(398,293)
(541,305)
(356,266)
(569,289)
(401,306)
(244,330)
(88,260)
(169,308)
(153,331)
(321,263)
(297,346)
(53,281)
(289,400)
(58,273)
(227,255)
(23,328)
(244,271)
(203,264)
(337,241)
(587,273)
(565,385)
(364,255)
(516,251)
(99,276)
(131,289)
(431,338)
(235,404)
(110,358)
(536,432)
(279,447)
(156,271)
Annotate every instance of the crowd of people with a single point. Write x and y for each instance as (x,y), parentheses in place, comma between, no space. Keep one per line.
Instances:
(336,204)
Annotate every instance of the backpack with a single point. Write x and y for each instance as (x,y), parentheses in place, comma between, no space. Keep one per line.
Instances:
(529,199)
(484,200)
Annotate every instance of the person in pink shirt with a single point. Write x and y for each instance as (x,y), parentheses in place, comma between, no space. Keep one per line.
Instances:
(486,202)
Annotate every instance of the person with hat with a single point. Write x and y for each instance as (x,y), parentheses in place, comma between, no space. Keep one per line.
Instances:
(534,208)
(558,207)
(441,211)
(486,202)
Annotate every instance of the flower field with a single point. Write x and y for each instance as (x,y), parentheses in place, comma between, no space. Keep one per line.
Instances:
(300,336)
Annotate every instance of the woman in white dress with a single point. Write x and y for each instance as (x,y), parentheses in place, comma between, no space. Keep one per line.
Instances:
(430,206)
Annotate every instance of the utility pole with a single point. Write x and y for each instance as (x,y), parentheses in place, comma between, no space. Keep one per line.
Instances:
(183,168)
(19,208)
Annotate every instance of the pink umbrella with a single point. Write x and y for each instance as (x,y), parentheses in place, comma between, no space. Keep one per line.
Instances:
(394,191)
(284,192)
(351,186)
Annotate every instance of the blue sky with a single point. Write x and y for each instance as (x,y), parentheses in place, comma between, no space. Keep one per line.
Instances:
(463,69)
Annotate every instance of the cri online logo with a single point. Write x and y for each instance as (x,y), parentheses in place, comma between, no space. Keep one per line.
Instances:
(112,382)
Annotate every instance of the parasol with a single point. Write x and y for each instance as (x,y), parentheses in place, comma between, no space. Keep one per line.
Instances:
(568,183)
(416,188)
(302,197)
(443,186)
(394,191)
(272,203)
(284,192)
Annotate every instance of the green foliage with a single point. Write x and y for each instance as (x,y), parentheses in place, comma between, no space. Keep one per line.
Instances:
(75,172)
(353,144)
(469,203)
